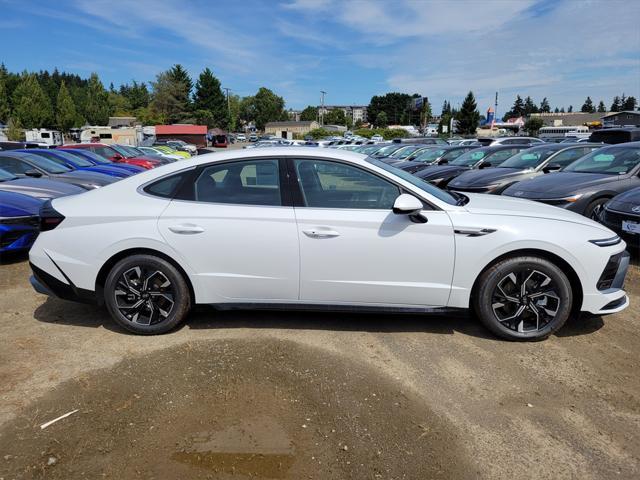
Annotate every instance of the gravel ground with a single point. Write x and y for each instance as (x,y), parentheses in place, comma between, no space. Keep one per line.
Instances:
(292,395)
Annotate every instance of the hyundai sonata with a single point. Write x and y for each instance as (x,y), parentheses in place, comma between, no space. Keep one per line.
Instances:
(302,228)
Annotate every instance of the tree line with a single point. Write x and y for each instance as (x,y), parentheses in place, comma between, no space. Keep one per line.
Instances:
(63,100)
(524,108)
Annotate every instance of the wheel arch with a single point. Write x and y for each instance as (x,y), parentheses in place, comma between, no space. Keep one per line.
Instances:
(108,265)
(574,279)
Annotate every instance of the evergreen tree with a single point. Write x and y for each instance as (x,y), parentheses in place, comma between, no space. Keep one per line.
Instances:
(5,107)
(562,110)
(184,85)
(209,97)
(32,107)
(587,106)
(601,107)
(616,105)
(446,108)
(629,104)
(556,110)
(529,107)
(570,110)
(468,117)
(544,106)
(66,114)
(96,110)
(137,94)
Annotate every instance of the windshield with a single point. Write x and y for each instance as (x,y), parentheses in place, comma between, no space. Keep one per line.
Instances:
(430,155)
(469,159)
(528,158)
(610,161)
(122,151)
(80,162)
(4,176)
(387,150)
(47,165)
(413,180)
(87,154)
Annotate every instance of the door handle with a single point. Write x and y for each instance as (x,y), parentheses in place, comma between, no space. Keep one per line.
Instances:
(320,233)
(186,229)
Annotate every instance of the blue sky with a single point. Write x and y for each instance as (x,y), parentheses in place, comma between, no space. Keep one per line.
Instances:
(353,49)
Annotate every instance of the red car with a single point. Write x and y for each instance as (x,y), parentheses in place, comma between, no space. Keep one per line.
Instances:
(110,153)
(220,141)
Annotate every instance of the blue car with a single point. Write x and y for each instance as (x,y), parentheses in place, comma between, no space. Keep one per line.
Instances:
(96,159)
(19,221)
(75,163)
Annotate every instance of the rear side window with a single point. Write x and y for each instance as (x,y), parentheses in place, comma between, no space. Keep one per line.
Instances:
(499,157)
(252,182)
(569,156)
(165,187)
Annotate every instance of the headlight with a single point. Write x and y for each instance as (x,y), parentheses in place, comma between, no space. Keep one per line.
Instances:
(606,242)
(571,199)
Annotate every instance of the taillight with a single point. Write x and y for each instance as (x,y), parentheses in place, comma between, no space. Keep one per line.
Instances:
(50,218)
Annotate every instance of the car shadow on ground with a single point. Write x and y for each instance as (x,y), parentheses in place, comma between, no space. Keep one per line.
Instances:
(13,257)
(204,318)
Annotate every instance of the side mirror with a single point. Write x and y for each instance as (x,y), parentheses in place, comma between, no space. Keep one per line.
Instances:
(485,165)
(117,157)
(443,161)
(407,204)
(552,167)
(33,173)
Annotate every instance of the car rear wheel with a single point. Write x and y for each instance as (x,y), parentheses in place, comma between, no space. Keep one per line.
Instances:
(523,298)
(147,295)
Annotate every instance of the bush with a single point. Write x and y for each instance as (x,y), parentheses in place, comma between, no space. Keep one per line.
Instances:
(320,133)
(387,133)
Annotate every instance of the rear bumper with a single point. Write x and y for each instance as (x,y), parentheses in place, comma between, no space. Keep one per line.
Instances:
(47,284)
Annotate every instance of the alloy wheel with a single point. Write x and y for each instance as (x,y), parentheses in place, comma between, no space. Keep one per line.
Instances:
(144,296)
(525,300)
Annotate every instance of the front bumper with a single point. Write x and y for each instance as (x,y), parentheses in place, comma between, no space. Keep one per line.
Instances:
(611,298)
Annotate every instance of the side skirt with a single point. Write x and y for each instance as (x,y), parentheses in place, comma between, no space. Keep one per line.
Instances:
(321,307)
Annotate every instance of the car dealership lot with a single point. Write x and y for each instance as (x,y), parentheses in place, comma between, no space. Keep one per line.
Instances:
(323,395)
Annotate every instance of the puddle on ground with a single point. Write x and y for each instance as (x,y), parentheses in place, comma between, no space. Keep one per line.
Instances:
(255,447)
(229,410)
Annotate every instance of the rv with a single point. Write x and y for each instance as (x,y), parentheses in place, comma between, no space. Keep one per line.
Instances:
(108,135)
(44,136)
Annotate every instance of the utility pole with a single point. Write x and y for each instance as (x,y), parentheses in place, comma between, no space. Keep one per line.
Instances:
(322,94)
(226,89)
(495,110)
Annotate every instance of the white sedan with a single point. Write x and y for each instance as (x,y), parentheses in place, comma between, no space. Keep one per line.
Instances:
(327,229)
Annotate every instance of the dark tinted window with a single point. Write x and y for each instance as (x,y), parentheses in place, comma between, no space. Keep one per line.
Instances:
(326,184)
(251,182)
(15,166)
(165,187)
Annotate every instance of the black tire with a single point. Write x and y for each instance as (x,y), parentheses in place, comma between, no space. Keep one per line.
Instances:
(147,308)
(594,208)
(499,295)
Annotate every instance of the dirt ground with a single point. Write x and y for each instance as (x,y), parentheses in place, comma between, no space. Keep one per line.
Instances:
(292,395)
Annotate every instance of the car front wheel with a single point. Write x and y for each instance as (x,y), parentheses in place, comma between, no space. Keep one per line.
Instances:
(523,298)
(147,295)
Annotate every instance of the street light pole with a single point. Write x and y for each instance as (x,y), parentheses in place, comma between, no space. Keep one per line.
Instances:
(321,115)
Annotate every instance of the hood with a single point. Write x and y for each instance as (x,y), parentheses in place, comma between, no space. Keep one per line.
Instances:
(437,171)
(499,205)
(561,184)
(627,202)
(85,176)
(106,170)
(40,188)
(17,205)
(484,177)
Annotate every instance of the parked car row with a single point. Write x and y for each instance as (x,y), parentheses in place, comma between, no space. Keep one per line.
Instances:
(29,176)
